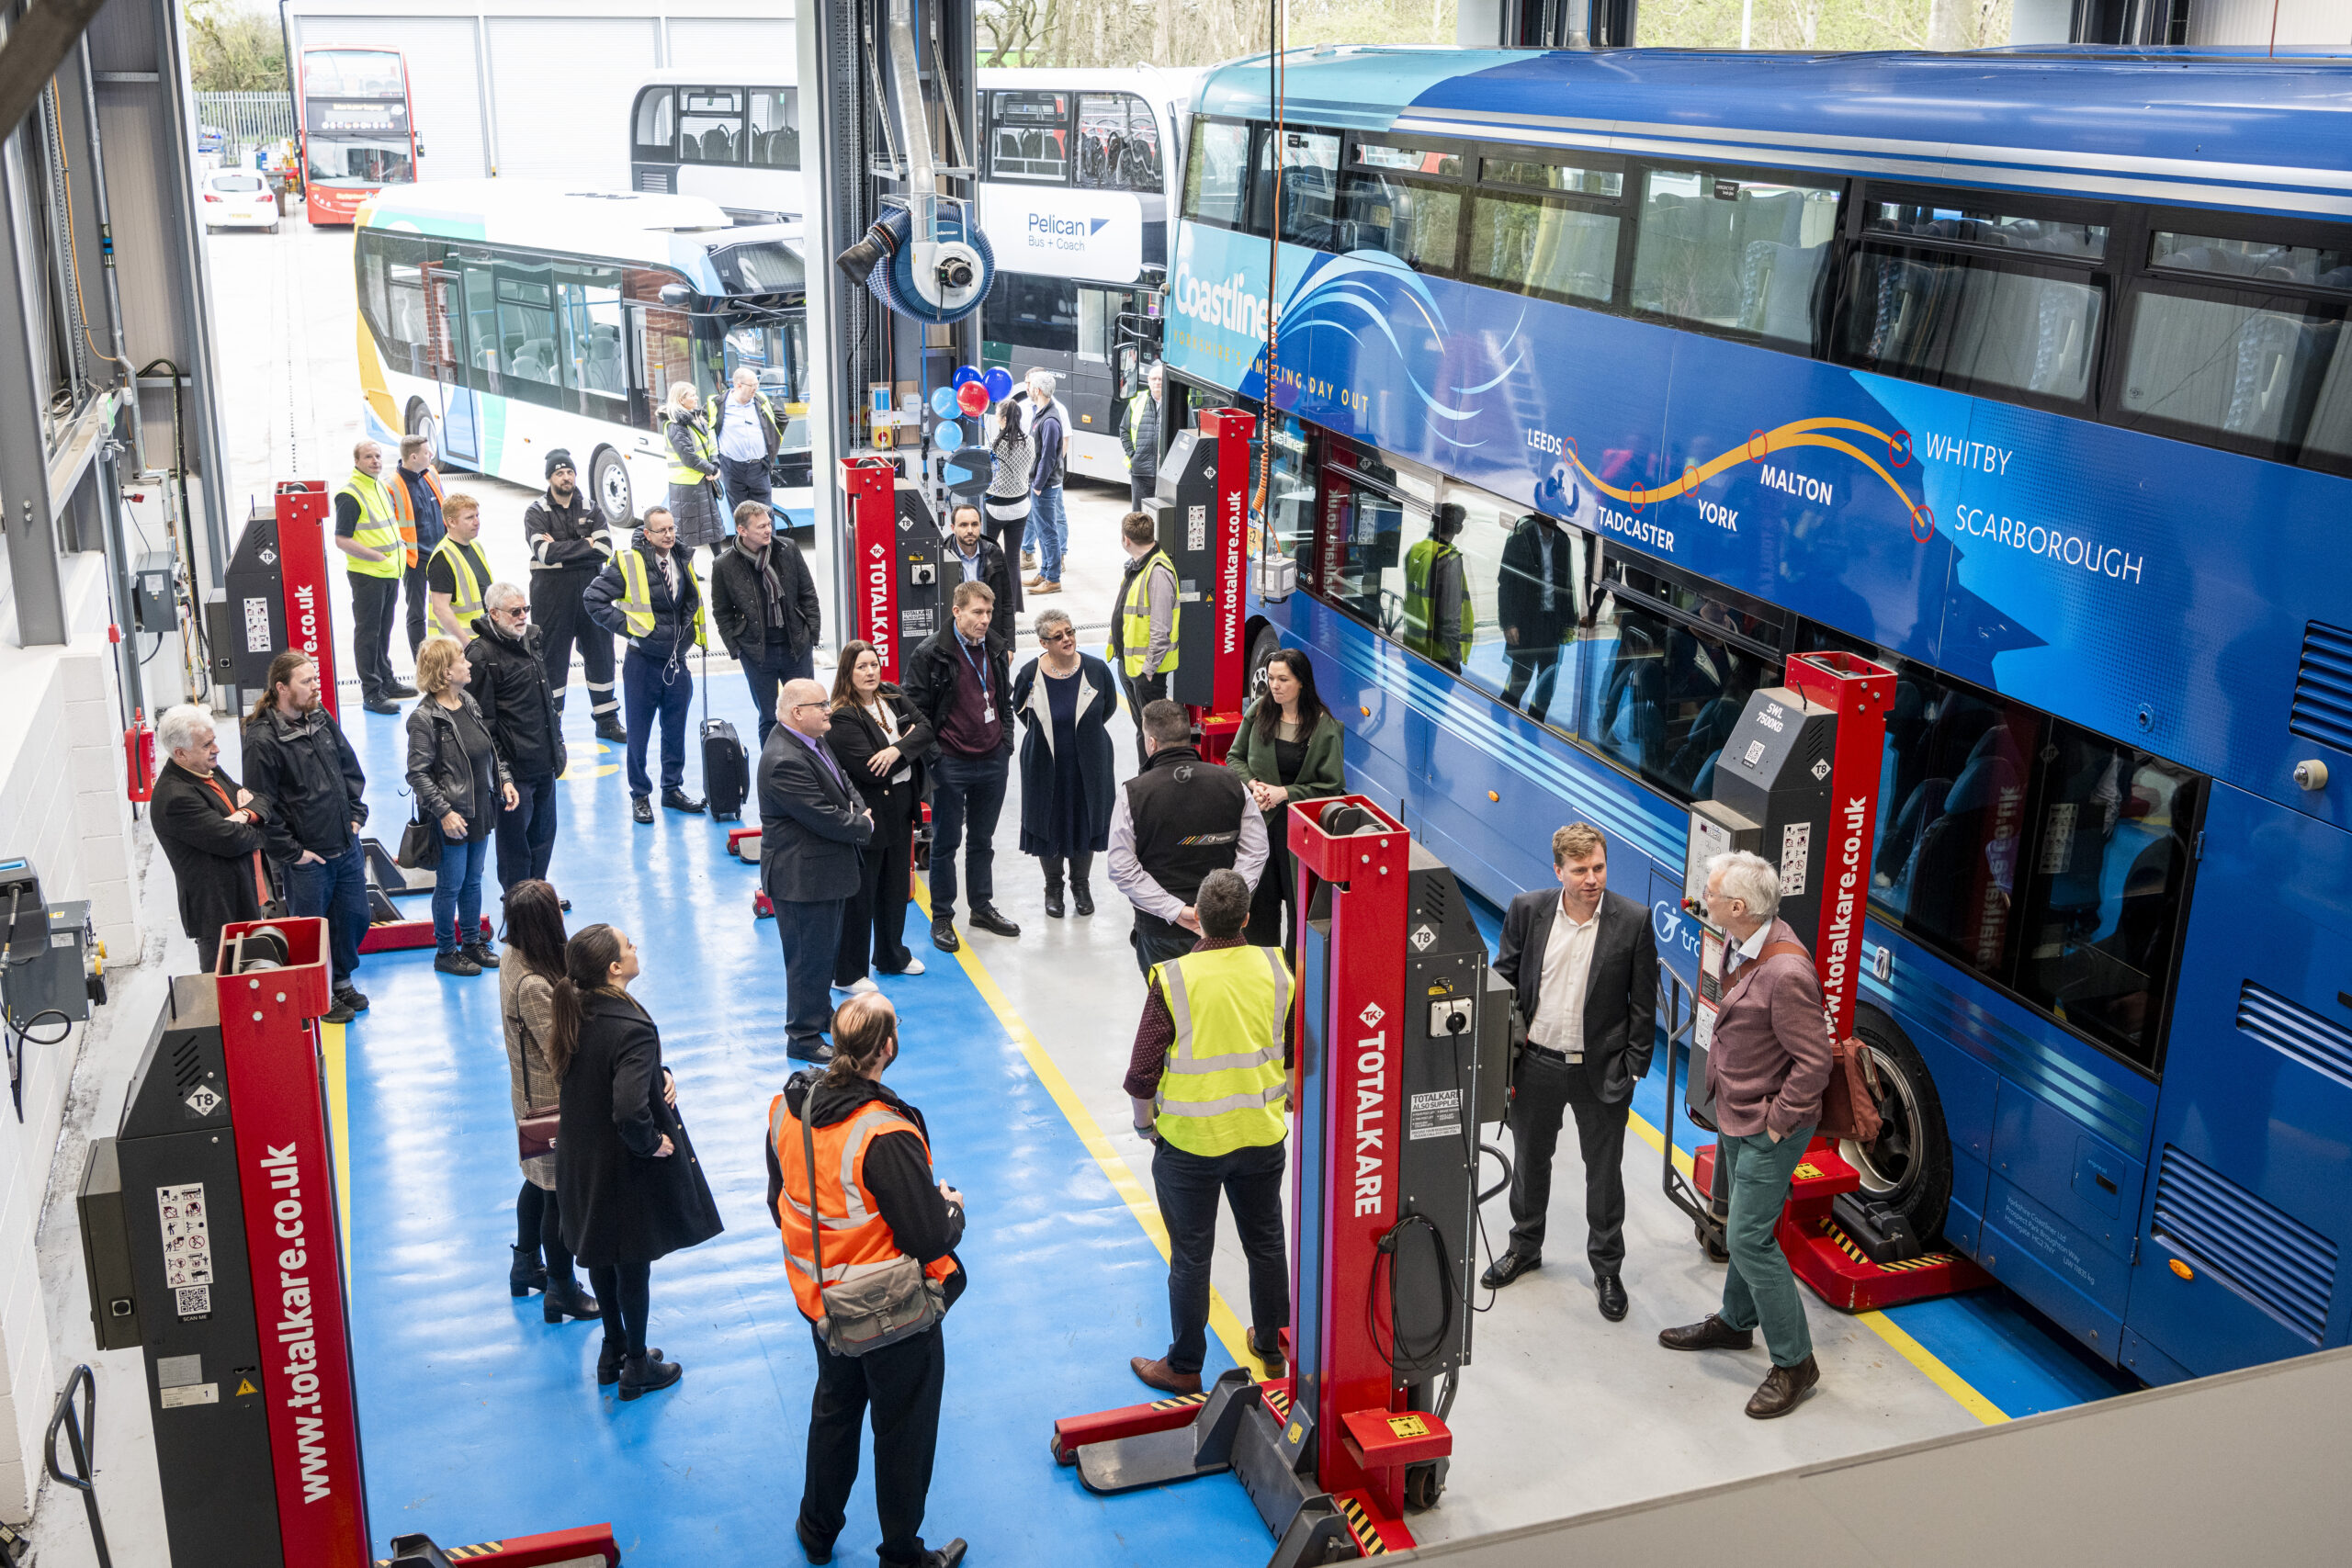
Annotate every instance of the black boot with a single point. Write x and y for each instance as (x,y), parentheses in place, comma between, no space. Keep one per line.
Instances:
(1053,888)
(1080,894)
(566,1298)
(527,1273)
(608,1363)
(648,1373)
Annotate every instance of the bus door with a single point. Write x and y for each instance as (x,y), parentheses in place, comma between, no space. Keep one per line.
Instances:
(1093,395)
(460,412)
(2248,1214)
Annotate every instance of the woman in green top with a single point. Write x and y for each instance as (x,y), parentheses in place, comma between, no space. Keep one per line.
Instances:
(1288,750)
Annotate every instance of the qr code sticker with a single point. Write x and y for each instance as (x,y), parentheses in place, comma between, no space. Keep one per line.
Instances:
(195,1301)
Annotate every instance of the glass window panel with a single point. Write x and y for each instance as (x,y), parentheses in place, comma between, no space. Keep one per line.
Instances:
(1094,325)
(1552,176)
(1405,159)
(1420,225)
(526,338)
(351,73)
(485,365)
(2231,365)
(2101,903)
(1975,226)
(775,142)
(1368,509)
(1542,248)
(1029,136)
(2310,266)
(1539,592)
(595,363)
(1024,310)
(1310,165)
(1290,509)
(654,109)
(1948,318)
(1665,695)
(710,125)
(1118,142)
(1745,255)
(1214,185)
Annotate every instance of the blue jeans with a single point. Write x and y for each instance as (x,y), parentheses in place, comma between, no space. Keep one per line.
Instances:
(337,889)
(653,691)
(1049,526)
(1758,1289)
(456,891)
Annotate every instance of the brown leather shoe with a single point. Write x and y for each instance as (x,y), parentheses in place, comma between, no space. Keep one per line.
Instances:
(1268,1348)
(1782,1388)
(1712,1335)
(1165,1378)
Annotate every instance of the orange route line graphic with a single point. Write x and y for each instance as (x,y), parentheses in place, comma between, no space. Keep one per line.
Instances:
(1762,445)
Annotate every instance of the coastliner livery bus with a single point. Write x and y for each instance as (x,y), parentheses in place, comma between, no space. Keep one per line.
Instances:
(358,135)
(2025,374)
(506,319)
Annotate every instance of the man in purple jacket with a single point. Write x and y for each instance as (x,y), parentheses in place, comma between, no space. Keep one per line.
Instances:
(1767,1066)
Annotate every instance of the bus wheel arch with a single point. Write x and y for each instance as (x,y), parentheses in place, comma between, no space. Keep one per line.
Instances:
(419,421)
(1264,642)
(609,482)
(1909,1166)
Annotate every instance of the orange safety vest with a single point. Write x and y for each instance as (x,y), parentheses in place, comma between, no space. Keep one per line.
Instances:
(405,514)
(859,1241)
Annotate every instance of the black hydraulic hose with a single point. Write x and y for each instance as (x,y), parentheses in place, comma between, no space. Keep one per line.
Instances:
(1502,1186)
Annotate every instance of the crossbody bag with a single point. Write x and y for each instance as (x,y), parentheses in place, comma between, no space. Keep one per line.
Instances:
(1849,1099)
(895,1301)
(534,1130)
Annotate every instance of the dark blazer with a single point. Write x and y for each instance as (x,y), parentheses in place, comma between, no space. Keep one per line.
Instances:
(811,825)
(856,737)
(1096,759)
(1519,592)
(212,857)
(621,1202)
(1619,990)
(741,612)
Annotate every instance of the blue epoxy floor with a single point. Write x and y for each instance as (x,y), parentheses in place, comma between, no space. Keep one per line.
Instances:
(480,1420)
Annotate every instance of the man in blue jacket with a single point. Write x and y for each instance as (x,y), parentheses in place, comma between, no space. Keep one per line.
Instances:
(647,594)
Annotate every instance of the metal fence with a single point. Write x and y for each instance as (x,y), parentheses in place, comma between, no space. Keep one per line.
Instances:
(245,121)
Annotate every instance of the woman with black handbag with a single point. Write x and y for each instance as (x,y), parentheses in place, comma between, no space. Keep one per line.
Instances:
(461,783)
(889,1277)
(526,1001)
(633,1190)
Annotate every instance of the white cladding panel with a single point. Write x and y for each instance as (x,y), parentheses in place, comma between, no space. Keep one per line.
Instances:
(444,84)
(562,88)
(756,51)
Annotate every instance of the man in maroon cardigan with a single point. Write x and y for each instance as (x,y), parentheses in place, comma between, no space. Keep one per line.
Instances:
(1768,1064)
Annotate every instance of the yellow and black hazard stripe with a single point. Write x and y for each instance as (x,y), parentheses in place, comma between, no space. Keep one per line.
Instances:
(460,1554)
(1848,1245)
(1180,1401)
(1279,1399)
(1368,1539)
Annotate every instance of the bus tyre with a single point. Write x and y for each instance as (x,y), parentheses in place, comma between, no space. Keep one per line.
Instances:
(609,482)
(419,421)
(1909,1166)
(1264,643)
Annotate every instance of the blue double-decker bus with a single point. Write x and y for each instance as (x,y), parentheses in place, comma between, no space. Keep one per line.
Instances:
(2024,374)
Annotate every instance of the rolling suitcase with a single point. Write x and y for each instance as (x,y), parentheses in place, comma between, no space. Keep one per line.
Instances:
(726,772)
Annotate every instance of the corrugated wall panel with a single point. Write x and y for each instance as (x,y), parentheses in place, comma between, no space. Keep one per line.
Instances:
(564,87)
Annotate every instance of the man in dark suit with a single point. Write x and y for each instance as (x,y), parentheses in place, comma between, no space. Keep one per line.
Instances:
(1583,962)
(812,826)
(211,831)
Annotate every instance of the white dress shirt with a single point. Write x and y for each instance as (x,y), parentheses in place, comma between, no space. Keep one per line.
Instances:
(1559,1004)
(1144,891)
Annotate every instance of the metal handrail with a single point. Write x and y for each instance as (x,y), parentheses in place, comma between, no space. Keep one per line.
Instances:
(1678,1190)
(80,1438)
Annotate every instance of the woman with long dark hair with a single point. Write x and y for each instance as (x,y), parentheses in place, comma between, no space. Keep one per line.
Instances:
(881,743)
(1288,750)
(633,1190)
(1011,456)
(526,1000)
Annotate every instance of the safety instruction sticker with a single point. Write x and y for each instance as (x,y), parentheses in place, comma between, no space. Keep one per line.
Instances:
(188,1248)
(1196,527)
(1797,845)
(1437,1114)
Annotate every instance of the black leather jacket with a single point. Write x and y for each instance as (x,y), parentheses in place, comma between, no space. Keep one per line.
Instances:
(438,770)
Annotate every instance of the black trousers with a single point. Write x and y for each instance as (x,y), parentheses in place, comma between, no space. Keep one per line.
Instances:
(873,926)
(373,600)
(554,606)
(811,934)
(1277,889)
(1156,941)
(1545,1091)
(1539,663)
(538,1222)
(1141,689)
(414,596)
(527,834)
(1187,1186)
(745,478)
(901,1384)
(966,794)
(766,667)
(625,1292)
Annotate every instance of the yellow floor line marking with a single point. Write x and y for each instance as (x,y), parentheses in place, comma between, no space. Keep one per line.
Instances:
(1962,1392)
(331,1053)
(1137,1194)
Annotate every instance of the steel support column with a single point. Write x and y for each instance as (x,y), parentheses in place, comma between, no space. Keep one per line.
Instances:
(26,509)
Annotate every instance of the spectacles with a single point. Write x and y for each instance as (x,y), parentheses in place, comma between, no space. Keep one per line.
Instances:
(803,708)
(1061,637)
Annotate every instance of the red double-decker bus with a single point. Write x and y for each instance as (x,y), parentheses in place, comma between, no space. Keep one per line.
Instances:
(358,133)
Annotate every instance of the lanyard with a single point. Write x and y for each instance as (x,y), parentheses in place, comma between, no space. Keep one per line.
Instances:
(980,668)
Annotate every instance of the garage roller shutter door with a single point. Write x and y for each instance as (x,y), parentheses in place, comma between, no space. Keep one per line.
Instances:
(746,49)
(444,85)
(564,87)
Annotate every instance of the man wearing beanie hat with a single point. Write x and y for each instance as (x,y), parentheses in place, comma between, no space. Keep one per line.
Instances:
(569,547)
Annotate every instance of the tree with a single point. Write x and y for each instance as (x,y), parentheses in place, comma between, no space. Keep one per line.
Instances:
(233,49)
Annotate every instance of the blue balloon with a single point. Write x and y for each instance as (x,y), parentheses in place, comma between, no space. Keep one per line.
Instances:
(999,384)
(942,401)
(966,375)
(948,435)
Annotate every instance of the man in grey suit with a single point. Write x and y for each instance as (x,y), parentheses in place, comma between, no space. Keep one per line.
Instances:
(812,826)
(1583,962)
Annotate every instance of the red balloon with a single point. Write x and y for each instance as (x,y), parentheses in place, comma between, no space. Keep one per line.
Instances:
(972,398)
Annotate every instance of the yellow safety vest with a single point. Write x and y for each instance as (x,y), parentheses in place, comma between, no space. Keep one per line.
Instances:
(636,602)
(1135,617)
(379,529)
(705,446)
(466,590)
(1422,634)
(1222,1087)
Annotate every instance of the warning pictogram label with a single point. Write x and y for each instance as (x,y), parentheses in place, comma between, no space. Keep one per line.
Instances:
(1422,937)
(203,1101)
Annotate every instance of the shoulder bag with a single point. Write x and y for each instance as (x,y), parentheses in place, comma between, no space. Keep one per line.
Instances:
(534,1130)
(419,845)
(894,1302)
(1849,1100)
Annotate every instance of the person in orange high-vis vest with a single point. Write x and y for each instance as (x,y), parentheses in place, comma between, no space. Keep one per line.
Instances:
(876,1200)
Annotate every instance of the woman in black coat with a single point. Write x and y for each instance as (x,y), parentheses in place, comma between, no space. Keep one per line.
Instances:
(1065,699)
(881,743)
(632,1189)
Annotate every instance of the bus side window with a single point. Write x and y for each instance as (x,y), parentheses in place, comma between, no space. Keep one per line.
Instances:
(485,366)
(775,128)
(1740,256)
(654,139)
(1213,187)
(710,125)
(595,365)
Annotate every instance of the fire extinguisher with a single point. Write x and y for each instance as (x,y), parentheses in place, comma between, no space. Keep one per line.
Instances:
(139,758)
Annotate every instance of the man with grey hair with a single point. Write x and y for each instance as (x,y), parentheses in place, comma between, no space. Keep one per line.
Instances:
(1209,1081)
(211,831)
(1767,1066)
(525,723)
(812,825)
(1175,822)
(1049,524)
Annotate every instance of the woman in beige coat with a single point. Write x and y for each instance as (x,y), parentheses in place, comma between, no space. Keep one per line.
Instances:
(534,940)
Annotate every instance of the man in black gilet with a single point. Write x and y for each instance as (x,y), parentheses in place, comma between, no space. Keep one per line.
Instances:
(1175,822)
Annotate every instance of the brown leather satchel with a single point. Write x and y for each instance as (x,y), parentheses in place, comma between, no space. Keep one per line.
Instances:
(1848,1101)
(534,1130)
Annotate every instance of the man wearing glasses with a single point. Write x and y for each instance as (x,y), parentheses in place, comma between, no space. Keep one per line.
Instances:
(813,823)
(510,685)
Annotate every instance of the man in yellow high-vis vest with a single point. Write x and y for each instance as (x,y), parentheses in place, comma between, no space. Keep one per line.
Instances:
(1144,621)
(457,573)
(367,530)
(1210,1080)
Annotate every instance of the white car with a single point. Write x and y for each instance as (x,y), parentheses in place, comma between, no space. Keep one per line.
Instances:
(237,198)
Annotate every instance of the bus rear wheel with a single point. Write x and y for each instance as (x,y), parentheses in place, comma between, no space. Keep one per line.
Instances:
(1264,643)
(419,421)
(609,482)
(1909,1166)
